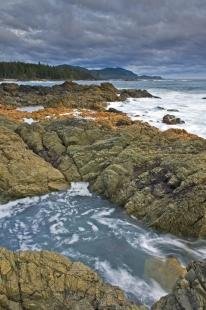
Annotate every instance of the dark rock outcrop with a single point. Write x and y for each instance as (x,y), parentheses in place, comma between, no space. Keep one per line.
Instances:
(172,120)
(160,108)
(135,93)
(113,110)
(48,281)
(68,94)
(189,292)
(172,110)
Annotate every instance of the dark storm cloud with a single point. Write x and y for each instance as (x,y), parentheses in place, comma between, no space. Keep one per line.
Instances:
(148,36)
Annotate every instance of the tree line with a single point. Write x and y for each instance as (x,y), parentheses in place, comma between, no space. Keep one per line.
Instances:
(24,71)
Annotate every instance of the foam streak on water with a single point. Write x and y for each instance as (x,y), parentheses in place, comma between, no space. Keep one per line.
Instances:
(182,95)
(190,107)
(87,228)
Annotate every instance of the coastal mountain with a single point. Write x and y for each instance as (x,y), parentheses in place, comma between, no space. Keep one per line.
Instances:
(119,74)
(113,74)
(29,71)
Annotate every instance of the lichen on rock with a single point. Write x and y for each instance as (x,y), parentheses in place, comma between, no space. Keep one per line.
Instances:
(22,172)
(159,177)
(189,292)
(45,280)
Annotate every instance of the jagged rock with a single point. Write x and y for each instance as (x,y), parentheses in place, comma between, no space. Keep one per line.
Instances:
(48,281)
(165,272)
(113,110)
(189,293)
(172,120)
(68,94)
(135,93)
(23,173)
(159,177)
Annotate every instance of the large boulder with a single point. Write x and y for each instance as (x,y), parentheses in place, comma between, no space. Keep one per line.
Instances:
(23,173)
(189,293)
(48,281)
(135,93)
(172,120)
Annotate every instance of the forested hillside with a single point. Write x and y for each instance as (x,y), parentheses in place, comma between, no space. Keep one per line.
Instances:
(19,70)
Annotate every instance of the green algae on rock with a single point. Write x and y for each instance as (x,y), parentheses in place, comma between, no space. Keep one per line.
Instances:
(45,280)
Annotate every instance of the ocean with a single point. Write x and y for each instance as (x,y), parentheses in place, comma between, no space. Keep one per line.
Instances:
(182,98)
(85,227)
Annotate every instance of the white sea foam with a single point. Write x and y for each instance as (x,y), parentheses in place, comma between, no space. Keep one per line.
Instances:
(31,108)
(79,189)
(191,108)
(154,245)
(131,284)
(74,239)
(58,228)
(29,120)
(81,229)
(94,227)
(7,209)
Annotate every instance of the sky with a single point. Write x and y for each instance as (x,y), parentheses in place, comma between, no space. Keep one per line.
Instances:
(161,37)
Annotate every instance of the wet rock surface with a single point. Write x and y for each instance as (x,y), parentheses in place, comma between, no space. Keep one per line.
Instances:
(68,94)
(45,280)
(172,120)
(135,93)
(189,293)
(159,177)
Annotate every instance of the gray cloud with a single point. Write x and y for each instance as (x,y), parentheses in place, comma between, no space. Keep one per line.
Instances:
(148,36)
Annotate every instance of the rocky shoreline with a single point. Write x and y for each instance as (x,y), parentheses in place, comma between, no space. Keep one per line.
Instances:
(45,280)
(158,177)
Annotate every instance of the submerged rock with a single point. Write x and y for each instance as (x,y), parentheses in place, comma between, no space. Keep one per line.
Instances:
(46,281)
(189,293)
(165,272)
(172,110)
(160,108)
(172,120)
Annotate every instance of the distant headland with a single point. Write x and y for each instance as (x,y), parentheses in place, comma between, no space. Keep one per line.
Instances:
(31,71)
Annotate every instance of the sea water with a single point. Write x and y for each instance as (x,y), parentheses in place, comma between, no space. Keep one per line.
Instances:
(183,96)
(85,227)
(88,228)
